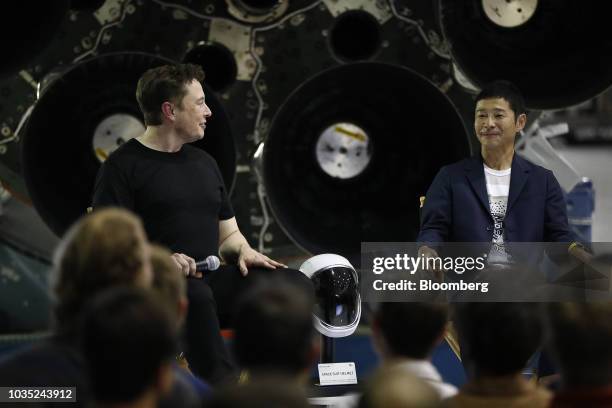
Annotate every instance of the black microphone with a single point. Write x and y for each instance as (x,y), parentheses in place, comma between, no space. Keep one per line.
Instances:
(211,263)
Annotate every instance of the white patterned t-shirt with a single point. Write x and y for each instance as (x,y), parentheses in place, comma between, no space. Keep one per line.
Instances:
(498,187)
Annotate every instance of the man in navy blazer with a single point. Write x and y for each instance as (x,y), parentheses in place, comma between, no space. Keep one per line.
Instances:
(457,209)
(495,196)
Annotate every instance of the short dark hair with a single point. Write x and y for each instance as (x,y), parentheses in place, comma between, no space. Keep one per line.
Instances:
(506,90)
(394,386)
(101,250)
(273,329)
(498,338)
(270,392)
(411,329)
(580,336)
(161,84)
(126,337)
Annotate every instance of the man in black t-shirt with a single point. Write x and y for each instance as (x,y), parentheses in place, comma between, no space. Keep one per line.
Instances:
(180,196)
(179,193)
(170,184)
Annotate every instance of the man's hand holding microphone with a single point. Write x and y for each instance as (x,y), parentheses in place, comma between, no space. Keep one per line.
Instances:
(189,267)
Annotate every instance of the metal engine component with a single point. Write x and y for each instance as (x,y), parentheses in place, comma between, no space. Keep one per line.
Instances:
(60,173)
(557,52)
(332,210)
(509,14)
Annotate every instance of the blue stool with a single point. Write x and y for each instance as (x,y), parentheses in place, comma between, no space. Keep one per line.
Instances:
(580,207)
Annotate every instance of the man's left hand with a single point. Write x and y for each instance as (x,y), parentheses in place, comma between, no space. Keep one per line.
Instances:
(581,254)
(249,257)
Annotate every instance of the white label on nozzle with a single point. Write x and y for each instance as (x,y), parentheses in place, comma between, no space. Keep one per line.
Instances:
(337,374)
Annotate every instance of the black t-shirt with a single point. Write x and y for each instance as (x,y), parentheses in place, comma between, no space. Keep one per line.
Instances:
(180,196)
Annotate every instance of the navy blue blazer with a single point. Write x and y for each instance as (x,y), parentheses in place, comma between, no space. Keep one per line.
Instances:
(456,207)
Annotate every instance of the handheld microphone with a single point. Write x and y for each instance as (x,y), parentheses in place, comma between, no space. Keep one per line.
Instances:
(211,263)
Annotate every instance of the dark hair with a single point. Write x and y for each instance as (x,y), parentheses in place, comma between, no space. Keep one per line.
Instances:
(394,386)
(126,337)
(272,392)
(411,329)
(273,329)
(581,334)
(161,84)
(506,90)
(103,249)
(498,338)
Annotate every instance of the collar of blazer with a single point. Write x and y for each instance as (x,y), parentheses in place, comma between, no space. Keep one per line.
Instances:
(475,174)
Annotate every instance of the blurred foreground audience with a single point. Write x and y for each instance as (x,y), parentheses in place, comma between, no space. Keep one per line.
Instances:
(405,335)
(129,342)
(497,340)
(274,332)
(121,303)
(105,249)
(581,343)
(260,393)
(395,387)
(102,250)
(170,286)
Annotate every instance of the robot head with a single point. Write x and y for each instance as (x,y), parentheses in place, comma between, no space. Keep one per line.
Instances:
(338,303)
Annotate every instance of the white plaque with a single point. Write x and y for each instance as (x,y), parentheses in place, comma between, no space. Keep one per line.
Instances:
(337,374)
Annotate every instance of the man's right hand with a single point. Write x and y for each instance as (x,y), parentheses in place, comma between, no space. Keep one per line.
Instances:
(430,253)
(186,265)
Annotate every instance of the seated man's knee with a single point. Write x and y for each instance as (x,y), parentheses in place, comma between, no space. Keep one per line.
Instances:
(198,292)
